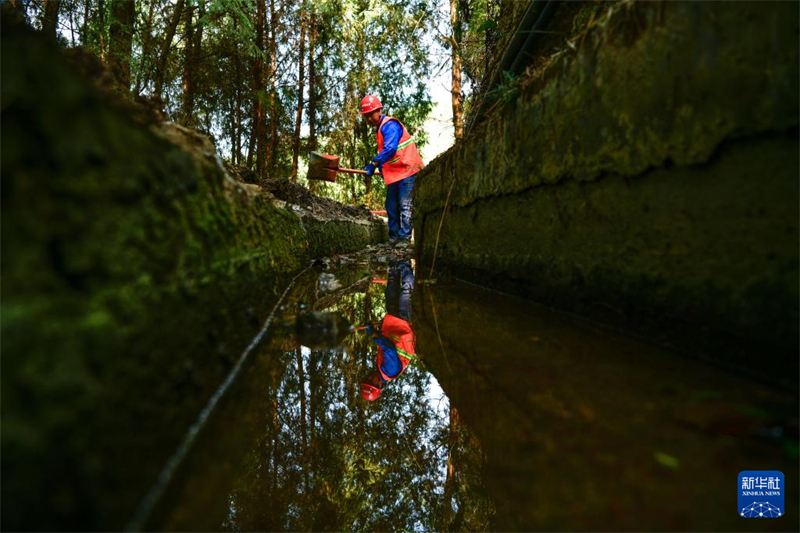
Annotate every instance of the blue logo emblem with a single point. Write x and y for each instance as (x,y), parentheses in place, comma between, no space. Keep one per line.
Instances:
(761,494)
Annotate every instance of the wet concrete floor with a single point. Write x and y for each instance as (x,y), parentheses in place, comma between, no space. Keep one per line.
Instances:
(510,417)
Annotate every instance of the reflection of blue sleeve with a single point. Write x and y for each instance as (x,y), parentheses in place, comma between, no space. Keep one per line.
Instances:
(391,365)
(392,131)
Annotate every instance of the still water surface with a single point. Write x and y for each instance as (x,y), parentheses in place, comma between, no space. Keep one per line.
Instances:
(510,417)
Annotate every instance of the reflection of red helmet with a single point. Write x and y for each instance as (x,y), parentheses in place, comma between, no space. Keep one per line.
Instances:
(369,392)
(370,103)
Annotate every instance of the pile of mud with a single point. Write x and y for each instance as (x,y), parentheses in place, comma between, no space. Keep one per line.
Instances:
(296,194)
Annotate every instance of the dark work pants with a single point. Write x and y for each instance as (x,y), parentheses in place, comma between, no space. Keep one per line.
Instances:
(399,288)
(398,208)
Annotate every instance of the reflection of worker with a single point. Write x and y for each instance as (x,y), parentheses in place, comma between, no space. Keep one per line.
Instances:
(399,162)
(393,335)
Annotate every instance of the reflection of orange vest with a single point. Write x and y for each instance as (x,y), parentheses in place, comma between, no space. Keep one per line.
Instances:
(399,332)
(406,160)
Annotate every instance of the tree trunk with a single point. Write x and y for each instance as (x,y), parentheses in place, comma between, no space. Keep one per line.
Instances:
(50,18)
(258,138)
(236,142)
(300,96)
(189,55)
(355,163)
(312,91)
(455,89)
(273,122)
(365,129)
(367,306)
(166,45)
(123,15)
(313,400)
(18,7)
(72,27)
(100,24)
(232,131)
(362,128)
(451,481)
(142,75)
(197,54)
(251,145)
(85,31)
(274,520)
(303,431)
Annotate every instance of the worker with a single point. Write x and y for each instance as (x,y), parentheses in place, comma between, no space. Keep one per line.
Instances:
(393,335)
(399,162)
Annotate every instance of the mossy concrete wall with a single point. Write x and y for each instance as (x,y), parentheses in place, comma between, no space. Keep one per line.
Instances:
(648,176)
(135,272)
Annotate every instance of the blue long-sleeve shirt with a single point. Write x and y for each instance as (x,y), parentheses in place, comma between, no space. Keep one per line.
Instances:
(392,131)
(391,365)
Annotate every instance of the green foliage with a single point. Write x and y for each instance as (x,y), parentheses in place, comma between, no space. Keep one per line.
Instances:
(486,26)
(479,27)
(507,90)
(361,46)
(371,48)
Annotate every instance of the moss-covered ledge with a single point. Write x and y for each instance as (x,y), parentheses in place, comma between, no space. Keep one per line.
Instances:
(648,85)
(648,174)
(135,271)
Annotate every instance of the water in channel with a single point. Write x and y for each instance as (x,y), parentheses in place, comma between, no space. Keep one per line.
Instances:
(508,417)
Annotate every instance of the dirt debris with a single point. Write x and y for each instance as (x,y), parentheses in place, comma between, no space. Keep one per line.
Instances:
(375,253)
(296,194)
(241,173)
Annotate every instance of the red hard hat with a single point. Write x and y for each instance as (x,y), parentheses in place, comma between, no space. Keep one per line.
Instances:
(370,103)
(369,393)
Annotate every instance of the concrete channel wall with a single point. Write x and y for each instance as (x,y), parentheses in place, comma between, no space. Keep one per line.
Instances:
(646,177)
(135,272)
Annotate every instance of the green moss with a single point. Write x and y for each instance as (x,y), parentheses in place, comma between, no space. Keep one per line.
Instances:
(622,106)
(586,14)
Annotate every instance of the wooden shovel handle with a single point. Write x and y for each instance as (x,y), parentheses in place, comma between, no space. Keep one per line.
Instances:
(354,171)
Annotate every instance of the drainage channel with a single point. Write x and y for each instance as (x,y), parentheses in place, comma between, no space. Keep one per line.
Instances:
(508,417)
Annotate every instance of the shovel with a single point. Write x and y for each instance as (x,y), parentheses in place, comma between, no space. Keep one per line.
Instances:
(324,167)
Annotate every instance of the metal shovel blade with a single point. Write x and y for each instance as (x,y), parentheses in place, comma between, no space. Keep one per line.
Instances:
(322,167)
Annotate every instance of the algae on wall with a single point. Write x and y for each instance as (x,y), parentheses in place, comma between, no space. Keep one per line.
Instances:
(651,171)
(134,274)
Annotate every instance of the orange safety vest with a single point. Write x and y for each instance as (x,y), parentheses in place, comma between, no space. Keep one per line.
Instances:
(399,332)
(406,160)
